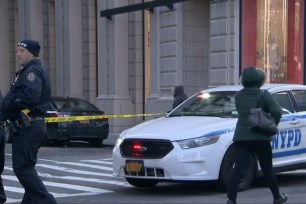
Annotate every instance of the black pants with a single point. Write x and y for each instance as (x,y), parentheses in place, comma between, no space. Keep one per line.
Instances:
(263,151)
(25,147)
(2,160)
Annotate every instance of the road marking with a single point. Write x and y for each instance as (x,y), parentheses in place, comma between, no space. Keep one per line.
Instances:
(65,182)
(77,178)
(97,162)
(87,165)
(69,170)
(10,200)
(13,189)
(56,195)
(64,185)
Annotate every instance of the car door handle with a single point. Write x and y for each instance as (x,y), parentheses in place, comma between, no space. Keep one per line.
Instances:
(294,122)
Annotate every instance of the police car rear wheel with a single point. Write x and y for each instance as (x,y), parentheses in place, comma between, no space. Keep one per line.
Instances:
(96,142)
(141,183)
(227,169)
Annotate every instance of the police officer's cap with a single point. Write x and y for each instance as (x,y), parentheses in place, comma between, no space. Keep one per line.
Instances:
(31,45)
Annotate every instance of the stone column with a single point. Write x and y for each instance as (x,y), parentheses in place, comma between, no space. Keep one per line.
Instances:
(31,21)
(5,41)
(69,46)
(224,42)
(113,71)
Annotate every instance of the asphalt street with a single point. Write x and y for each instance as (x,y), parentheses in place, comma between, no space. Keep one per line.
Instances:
(79,173)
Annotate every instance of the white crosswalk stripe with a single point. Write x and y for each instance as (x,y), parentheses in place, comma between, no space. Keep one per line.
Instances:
(87,165)
(68,179)
(70,170)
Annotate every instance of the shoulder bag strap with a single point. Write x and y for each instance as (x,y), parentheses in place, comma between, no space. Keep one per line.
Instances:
(261,93)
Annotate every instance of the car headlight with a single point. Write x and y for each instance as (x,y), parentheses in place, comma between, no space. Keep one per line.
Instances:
(118,142)
(198,142)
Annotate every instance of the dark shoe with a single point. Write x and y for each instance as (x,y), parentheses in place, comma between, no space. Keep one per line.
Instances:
(282,199)
(230,202)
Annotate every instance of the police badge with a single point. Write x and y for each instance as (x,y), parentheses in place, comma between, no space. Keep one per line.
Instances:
(31,76)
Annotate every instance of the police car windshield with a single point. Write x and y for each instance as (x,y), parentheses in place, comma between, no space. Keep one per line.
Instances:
(215,104)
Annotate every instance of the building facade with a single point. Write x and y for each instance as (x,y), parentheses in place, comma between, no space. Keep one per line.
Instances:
(128,62)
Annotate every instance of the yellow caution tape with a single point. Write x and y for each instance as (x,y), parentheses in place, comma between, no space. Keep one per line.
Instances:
(92,117)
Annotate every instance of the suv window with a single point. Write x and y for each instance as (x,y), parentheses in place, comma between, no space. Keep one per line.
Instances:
(73,104)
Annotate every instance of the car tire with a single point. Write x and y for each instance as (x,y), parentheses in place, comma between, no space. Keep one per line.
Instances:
(227,167)
(96,143)
(46,141)
(141,183)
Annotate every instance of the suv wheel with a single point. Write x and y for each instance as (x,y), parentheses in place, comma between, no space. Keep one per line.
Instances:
(96,142)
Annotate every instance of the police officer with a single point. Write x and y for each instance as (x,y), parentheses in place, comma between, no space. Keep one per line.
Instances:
(2,153)
(30,90)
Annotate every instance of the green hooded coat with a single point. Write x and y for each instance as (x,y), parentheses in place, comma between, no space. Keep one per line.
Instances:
(252,79)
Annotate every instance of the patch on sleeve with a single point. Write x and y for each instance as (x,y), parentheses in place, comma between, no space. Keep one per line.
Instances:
(31,76)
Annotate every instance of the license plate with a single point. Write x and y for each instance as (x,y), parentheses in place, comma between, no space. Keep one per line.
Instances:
(84,121)
(133,166)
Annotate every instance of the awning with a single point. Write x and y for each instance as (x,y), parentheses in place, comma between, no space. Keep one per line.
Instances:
(108,13)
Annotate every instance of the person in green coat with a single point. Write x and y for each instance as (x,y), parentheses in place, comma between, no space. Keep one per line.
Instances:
(249,142)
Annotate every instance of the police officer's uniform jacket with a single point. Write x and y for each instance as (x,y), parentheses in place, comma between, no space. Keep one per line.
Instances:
(2,119)
(30,89)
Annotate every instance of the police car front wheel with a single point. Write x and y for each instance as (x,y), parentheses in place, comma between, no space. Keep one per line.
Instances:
(227,167)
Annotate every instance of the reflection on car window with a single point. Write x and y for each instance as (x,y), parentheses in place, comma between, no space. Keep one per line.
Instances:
(219,104)
(73,104)
(284,101)
(300,98)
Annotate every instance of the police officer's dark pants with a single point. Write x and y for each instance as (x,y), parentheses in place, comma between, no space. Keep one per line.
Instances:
(2,160)
(25,147)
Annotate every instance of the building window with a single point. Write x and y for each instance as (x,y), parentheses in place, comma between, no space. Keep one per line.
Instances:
(271,41)
(275,44)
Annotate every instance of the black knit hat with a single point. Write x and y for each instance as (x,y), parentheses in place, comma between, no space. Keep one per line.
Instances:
(252,76)
(31,45)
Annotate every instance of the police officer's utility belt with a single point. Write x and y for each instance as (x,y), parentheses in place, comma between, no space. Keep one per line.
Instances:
(21,123)
(36,118)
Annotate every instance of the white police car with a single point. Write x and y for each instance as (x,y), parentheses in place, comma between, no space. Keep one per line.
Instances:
(194,141)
